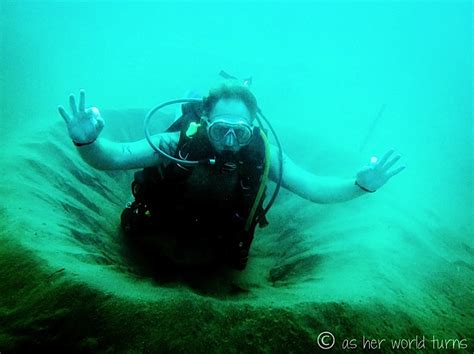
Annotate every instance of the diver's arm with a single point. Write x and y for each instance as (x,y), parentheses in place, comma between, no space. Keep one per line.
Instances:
(323,190)
(104,154)
(84,127)
(327,190)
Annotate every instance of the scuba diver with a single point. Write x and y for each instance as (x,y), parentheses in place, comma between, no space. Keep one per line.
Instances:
(200,192)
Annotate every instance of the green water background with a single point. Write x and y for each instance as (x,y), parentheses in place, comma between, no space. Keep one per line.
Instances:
(322,71)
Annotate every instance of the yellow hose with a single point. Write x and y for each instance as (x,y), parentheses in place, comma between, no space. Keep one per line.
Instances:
(263,183)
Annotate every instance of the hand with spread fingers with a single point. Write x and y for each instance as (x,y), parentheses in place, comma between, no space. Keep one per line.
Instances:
(84,125)
(374,175)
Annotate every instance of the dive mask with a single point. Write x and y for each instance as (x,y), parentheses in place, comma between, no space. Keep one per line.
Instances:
(225,124)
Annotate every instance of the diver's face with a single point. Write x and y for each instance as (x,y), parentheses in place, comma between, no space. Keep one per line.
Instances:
(229,125)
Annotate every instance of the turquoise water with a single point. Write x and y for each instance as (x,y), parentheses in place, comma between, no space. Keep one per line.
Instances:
(341,81)
(329,66)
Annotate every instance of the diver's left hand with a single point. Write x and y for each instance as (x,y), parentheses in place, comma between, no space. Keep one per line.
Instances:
(377,173)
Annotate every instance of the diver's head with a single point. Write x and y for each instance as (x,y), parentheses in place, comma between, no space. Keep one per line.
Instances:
(228,113)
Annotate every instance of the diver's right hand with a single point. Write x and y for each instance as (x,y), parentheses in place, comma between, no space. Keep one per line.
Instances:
(84,125)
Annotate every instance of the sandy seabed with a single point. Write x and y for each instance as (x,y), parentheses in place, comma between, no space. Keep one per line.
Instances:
(371,276)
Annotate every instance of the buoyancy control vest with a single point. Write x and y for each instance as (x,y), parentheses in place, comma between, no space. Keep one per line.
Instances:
(223,200)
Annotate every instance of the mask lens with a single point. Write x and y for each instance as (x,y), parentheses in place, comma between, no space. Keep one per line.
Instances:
(219,130)
(243,134)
